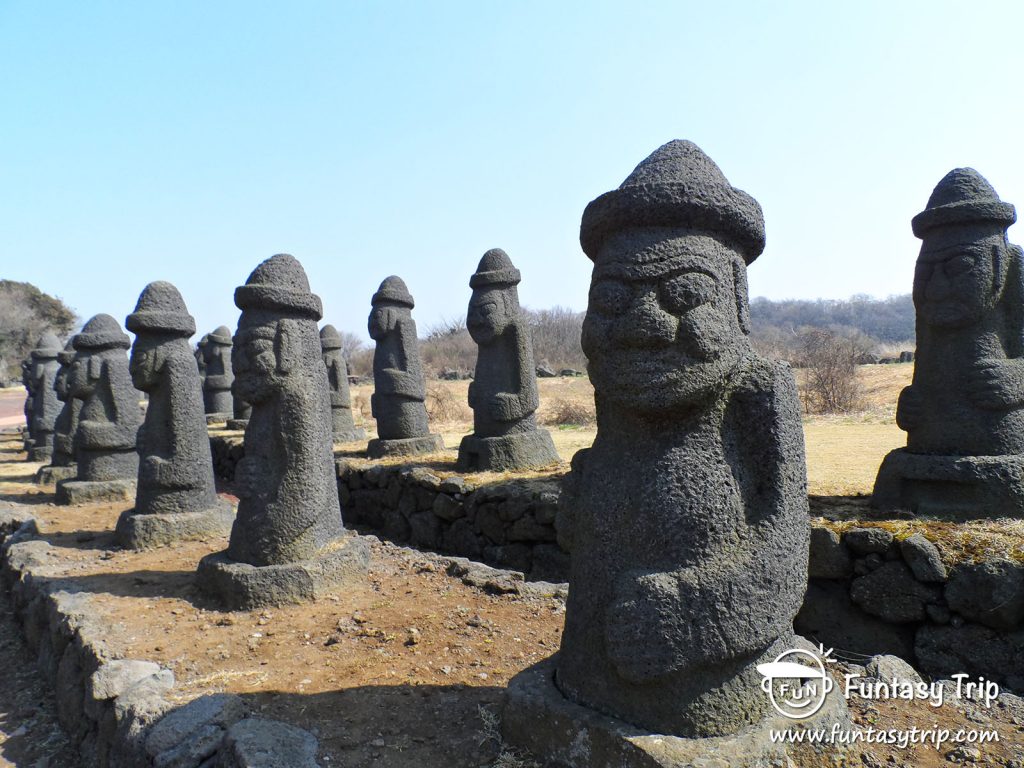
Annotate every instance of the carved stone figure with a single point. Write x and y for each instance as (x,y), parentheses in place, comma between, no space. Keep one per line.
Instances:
(217,376)
(45,405)
(399,393)
(288,542)
(200,354)
(345,429)
(29,384)
(62,464)
(175,498)
(964,411)
(109,419)
(503,393)
(687,519)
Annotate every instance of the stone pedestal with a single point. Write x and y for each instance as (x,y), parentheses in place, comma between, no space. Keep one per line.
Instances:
(951,487)
(218,418)
(410,446)
(53,474)
(524,450)
(539,718)
(236,425)
(95,491)
(241,586)
(135,531)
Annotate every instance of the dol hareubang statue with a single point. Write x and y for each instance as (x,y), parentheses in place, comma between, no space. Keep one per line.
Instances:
(287,543)
(62,465)
(687,519)
(503,393)
(175,498)
(217,375)
(399,392)
(104,443)
(964,411)
(344,426)
(45,406)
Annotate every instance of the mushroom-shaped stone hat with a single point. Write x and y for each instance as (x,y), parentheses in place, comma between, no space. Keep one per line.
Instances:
(495,269)
(221,336)
(330,339)
(677,186)
(963,196)
(393,290)
(160,309)
(101,332)
(47,348)
(280,285)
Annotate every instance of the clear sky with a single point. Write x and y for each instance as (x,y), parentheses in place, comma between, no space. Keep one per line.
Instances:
(187,141)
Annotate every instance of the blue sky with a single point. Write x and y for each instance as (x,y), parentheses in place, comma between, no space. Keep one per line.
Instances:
(187,141)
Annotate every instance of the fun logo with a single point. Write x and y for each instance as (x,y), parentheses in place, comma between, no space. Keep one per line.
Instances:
(796,682)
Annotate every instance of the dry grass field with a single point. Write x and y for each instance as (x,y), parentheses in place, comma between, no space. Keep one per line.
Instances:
(843,452)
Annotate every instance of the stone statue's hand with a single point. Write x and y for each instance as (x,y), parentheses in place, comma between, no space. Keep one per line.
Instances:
(909,409)
(997,384)
(506,407)
(152,469)
(472,396)
(647,627)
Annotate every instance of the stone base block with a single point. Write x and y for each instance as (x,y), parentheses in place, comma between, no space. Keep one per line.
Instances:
(238,425)
(95,491)
(241,587)
(951,487)
(218,418)
(350,436)
(524,450)
(50,475)
(40,453)
(410,446)
(561,733)
(147,531)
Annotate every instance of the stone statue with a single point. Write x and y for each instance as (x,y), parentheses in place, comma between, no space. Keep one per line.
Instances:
(964,411)
(687,519)
(200,353)
(217,376)
(45,405)
(345,429)
(62,464)
(503,393)
(288,542)
(29,384)
(104,444)
(175,498)
(399,393)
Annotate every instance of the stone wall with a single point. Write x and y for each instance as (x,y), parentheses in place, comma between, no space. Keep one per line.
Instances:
(509,524)
(116,711)
(871,594)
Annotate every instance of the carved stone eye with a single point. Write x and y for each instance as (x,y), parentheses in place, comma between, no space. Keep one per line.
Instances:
(687,291)
(610,297)
(959,265)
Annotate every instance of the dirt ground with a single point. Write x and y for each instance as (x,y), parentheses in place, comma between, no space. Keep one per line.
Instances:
(406,670)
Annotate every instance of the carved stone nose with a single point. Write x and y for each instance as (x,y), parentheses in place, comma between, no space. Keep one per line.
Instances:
(645,324)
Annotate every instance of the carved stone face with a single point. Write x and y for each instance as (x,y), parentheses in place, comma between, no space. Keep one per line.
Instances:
(662,328)
(384,319)
(60,383)
(81,382)
(254,358)
(959,276)
(146,362)
(488,315)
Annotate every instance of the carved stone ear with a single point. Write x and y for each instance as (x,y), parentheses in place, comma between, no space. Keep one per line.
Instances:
(286,345)
(739,275)
(95,367)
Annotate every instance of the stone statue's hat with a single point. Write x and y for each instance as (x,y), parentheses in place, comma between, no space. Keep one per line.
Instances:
(47,348)
(495,268)
(677,186)
(393,289)
(280,284)
(101,332)
(963,196)
(329,338)
(161,309)
(67,355)
(220,336)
